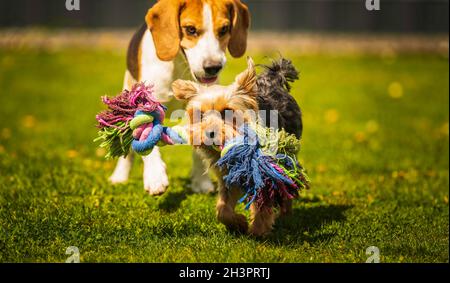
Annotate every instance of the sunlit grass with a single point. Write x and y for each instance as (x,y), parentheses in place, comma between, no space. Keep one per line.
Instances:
(375,145)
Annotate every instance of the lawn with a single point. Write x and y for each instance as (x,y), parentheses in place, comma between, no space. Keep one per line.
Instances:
(376,146)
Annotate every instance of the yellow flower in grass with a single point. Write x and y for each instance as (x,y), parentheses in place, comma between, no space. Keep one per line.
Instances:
(372,126)
(360,137)
(331,116)
(72,153)
(321,168)
(395,90)
(107,165)
(29,121)
(100,152)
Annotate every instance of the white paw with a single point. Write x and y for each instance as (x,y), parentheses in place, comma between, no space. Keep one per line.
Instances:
(122,170)
(155,179)
(202,184)
(118,178)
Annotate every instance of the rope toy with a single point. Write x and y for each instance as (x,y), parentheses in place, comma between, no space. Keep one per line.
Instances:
(134,119)
(263,165)
(149,132)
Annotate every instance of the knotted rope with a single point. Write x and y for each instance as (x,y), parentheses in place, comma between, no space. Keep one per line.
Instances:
(149,132)
(134,119)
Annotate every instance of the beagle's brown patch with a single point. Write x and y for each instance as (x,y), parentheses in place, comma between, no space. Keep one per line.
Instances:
(191,17)
(134,53)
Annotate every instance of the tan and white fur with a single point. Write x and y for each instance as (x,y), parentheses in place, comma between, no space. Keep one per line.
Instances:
(212,103)
(182,39)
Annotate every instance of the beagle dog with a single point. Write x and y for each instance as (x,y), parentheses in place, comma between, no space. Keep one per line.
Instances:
(182,39)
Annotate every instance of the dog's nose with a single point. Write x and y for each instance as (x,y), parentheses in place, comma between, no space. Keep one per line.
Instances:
(212,68)
(210,134)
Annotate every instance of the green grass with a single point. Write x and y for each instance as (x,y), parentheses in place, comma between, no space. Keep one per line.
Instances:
(379,166)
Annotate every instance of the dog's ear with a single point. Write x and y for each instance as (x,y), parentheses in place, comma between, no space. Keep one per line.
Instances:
(184,90)
(246,81)
(163,21)
(239,30)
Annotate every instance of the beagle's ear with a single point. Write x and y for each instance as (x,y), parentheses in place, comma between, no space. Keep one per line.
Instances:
(239,30)
(246,81)
(163,21)
(184,90)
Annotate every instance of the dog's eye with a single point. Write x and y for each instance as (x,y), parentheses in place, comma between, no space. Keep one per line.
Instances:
(223,30)
(191,30)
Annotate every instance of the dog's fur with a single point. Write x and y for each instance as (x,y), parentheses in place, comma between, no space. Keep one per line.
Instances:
(269,91)
(181,39)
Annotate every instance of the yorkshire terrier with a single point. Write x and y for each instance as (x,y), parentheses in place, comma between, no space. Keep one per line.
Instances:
(209,110)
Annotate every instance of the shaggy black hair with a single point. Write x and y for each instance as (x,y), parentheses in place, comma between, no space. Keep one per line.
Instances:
(273,94)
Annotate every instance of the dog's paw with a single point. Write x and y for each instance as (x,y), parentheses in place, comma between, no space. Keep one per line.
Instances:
(122,170)
(258,231)
(118,178)
(263,227)
(242,223)
(156,180)
(202,184)
(239,224)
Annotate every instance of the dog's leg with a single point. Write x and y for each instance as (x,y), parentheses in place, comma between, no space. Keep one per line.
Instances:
(286,207)
(225,209)
(123,167)
(122,171)
(201,183)
(262,221)
(155,176)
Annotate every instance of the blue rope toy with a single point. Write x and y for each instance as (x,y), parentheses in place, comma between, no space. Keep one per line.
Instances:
(265,178)
(158,134)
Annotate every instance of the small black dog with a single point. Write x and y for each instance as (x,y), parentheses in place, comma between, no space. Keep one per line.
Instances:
(273,94)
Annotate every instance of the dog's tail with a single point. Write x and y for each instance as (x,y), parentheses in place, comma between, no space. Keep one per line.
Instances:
(281,72)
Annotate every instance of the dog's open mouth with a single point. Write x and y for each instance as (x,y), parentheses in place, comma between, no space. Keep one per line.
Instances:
(218,148)
(207,80)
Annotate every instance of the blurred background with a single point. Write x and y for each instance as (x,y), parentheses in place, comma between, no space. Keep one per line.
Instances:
(306,26)
(425,16)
